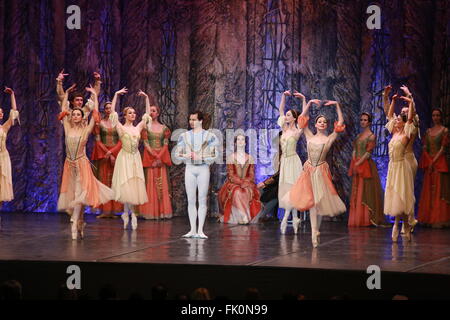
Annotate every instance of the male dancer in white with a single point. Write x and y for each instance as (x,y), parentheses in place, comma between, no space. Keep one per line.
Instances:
(198,149)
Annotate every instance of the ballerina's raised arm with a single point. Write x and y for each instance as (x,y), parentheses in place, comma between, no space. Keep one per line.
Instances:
(338,125)
(303,118)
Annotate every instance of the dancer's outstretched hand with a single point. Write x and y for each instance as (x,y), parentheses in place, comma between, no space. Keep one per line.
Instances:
(142,94)
(315,101)
(61,75)
(387,89)
(287,93)
(298,95)
(72,88)
(407,99)
(9,90)
(91,90)
(122,91)
(330,103)
(405,90)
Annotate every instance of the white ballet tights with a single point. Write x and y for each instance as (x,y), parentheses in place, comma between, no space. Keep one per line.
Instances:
(128,210)
(76,215)
(315,220)
(197,177)
(295,217)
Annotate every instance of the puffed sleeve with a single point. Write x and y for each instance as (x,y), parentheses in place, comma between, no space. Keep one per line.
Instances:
(302,122)
(211,154)
(164,153)
(146,122)
(339,128)
(390,124)
(14,114)
(62,115)
(114,118)
(410,129)
(180,149)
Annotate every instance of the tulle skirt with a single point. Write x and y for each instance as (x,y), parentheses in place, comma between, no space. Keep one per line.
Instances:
(314,188)
(128,180)
(80,187)
(6,188)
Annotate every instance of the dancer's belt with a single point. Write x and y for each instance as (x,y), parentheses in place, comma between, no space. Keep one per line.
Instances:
(196,163)
(73,162)
(317,164)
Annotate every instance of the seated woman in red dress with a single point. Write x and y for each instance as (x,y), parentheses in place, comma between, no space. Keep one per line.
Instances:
(239,196)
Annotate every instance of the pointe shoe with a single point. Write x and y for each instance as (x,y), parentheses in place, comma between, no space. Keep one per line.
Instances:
(201,235)
(316,239)
(74,231)
(133,221)
(283,226)
(190,234)
(125,219)
(81,229)
(407,234)
(395,233)
(413,225)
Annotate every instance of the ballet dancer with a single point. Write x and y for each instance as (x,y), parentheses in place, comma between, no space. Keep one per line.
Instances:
(198,149)
(399,194)
(411,130)
(290,164)
(79,186)
(6,188)
(314,189)
(128,180)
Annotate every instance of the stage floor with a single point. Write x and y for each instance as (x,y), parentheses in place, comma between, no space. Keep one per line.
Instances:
(46,237)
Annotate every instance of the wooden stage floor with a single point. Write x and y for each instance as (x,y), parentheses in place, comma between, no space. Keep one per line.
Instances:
(46,237)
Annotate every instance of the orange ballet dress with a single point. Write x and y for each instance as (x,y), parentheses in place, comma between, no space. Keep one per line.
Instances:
(79,185)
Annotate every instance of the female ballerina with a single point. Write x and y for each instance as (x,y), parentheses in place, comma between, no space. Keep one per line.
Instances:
(411,130)
(290,164)
(106,148)
(79,186)
(239,196)
(399,195)
(6,188)
(156,161)
(366,200)
(314,190)
(128,180)
(434,205)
